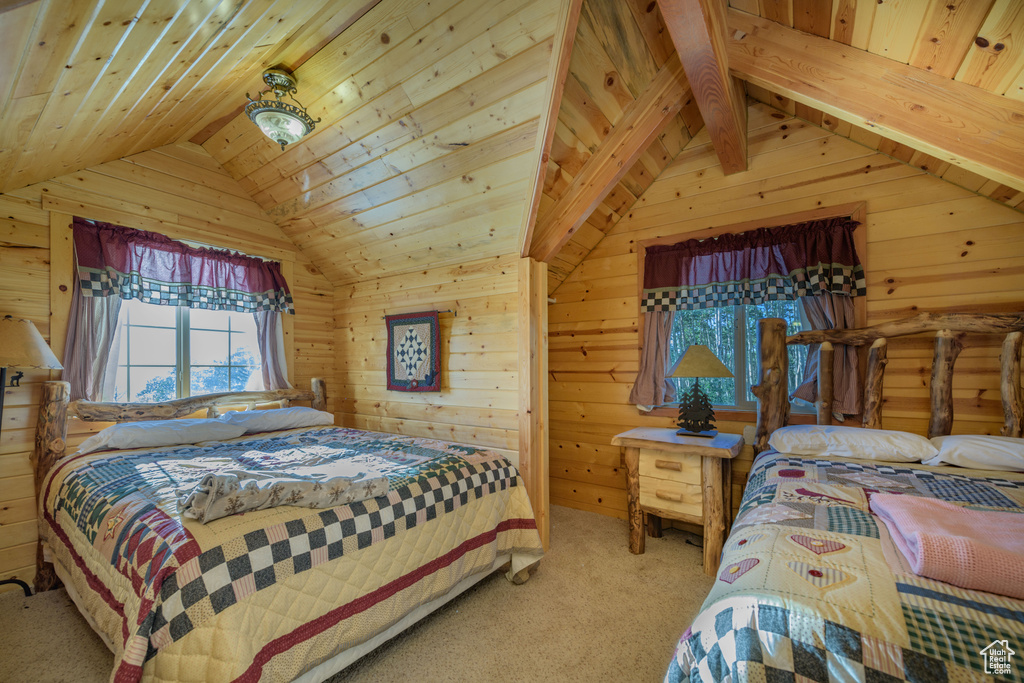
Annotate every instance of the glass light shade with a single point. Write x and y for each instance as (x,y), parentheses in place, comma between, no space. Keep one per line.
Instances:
(282,127)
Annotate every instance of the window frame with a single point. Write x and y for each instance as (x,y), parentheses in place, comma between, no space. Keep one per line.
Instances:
(855,210)
(183,351)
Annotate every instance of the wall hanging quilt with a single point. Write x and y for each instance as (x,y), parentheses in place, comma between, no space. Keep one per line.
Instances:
(414,352)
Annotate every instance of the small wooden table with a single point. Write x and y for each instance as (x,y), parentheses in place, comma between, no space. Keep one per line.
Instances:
(679,477)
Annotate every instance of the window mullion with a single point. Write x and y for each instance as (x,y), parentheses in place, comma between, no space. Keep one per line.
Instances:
(740,355)
(184,353)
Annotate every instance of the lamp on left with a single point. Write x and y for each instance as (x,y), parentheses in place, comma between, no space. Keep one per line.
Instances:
(21,346)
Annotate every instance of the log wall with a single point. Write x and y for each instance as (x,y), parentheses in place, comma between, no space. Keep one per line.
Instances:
(177,190)
(479,398)
(931,245)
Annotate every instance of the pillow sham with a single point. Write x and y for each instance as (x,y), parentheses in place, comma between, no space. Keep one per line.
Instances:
(253,421)
(980,452)
(852,442)
(156,433)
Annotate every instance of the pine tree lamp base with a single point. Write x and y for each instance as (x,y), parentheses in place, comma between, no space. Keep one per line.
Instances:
(696,416)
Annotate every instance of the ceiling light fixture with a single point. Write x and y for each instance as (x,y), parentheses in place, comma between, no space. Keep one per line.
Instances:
(280,121)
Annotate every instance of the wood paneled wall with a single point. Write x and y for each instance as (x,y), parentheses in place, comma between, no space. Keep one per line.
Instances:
(931,245)
(177,190)
(479,398)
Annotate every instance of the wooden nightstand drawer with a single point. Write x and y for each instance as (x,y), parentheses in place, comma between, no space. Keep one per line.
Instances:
(678,477)
(673,466)
(673,496)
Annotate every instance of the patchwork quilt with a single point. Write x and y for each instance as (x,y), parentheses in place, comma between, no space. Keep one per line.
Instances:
(267,594)
(811,587)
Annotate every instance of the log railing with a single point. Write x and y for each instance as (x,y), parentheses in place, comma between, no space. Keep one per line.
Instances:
(773,394)
(55,408)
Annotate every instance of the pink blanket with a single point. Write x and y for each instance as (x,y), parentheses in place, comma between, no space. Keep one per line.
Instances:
(966,548)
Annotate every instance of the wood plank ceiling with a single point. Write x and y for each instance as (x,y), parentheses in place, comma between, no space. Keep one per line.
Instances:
(430,126)
(432,111)
(88,81)
(973,42)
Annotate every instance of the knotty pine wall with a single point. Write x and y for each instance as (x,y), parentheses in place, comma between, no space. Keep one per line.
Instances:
(931,245)
(178,190)
(478,401)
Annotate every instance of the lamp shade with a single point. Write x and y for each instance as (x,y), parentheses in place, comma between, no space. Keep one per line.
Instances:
(699,361)
(21,346)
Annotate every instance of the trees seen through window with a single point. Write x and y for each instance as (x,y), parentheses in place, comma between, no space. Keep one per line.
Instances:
(731,334)
(169,352)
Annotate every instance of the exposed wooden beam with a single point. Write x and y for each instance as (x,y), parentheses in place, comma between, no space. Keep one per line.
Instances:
(642,121)
(955,122)
(698,29)
(564,39)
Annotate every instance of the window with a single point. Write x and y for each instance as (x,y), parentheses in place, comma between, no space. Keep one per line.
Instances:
(169,352)
(731,333)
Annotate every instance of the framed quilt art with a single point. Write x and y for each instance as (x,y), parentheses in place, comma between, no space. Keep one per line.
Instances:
(414,352)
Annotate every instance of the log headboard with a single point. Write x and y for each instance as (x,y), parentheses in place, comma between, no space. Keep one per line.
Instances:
(773,394)
(55,407)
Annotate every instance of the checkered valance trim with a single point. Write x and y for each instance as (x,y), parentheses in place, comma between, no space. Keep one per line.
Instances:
(832,278)
(213,581)
(97,282)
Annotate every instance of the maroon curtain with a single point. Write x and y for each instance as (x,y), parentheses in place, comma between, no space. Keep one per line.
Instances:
(136,264)
(768,264)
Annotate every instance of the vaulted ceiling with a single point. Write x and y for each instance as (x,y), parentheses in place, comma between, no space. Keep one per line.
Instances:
(546,118)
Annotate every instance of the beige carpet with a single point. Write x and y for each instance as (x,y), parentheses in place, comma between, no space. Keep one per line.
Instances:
(592,611)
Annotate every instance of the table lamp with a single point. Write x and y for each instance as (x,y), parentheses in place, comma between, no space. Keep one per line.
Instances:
(21,346)
(696,416)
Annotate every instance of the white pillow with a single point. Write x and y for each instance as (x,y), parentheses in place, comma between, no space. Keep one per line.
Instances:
(980,452)
(157,433)
(852,442)
(281,418)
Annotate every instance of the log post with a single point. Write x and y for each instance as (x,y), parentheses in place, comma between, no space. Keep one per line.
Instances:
(947,348)
(631,456)
(877,360)
(1009,385)
(319,393)
(716,526)
(772,395)
(51,432)
(826,354)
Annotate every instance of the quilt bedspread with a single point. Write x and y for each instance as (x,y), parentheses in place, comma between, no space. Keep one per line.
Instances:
(811,587)
(263,595)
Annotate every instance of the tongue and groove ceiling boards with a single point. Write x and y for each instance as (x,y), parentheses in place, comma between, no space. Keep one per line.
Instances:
(429,136)
(87,81)
(935,84)
(455,130)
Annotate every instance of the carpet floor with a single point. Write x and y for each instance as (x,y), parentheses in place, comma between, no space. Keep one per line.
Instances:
(592,611)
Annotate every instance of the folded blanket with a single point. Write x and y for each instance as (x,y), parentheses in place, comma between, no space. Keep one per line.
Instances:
(969,548)
(322,485)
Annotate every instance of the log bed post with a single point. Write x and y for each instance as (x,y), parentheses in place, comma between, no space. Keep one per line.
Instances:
(1009,385)
(826,355)
(877,360)
(772,394)
(947,348)
(51,435)
(319,387)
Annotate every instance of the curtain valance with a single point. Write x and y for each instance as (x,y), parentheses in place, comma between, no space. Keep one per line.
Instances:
(136,264)
(786,262)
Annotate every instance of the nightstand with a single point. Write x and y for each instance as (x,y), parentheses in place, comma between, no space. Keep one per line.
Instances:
(686,478)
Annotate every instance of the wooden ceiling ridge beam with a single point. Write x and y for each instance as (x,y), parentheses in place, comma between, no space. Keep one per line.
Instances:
(564,40)
(641,123)
(955,122)
(698,29)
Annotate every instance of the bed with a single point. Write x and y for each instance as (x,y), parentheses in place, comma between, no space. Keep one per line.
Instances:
(817,580)
(277,594)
